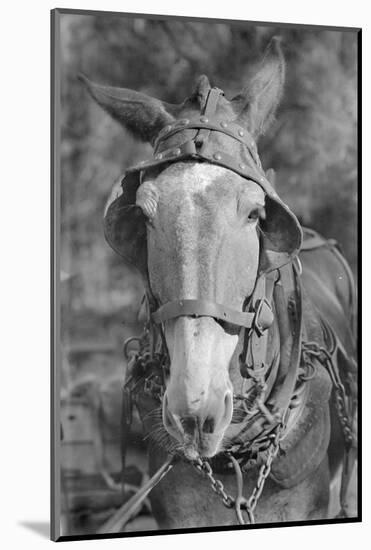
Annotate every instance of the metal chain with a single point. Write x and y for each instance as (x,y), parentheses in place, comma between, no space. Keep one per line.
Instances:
(217,486)
(264,472)
(341,398)
(240,502)
(346,406)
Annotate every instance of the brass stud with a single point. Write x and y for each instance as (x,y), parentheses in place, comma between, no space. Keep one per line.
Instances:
(204,119)
(241,133)
(176,152)
(217,156)
(242,166)
(224,125)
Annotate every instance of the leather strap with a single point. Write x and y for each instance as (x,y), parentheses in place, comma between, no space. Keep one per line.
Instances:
(253,356)
(212,101)
(188,150)
(204,130)
(292,307)
(200,146)
(229,129)
(260,319)
(313,240)
(276,407)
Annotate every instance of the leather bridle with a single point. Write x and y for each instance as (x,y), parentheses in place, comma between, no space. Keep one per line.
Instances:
(257,315)
(260,317)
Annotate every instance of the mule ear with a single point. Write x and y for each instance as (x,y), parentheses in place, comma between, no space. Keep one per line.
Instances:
(257,103)
(142,115)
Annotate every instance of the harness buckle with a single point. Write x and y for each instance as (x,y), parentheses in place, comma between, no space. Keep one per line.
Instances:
(264,317)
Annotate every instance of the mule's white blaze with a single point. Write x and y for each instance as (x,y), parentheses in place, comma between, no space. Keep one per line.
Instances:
(201,246)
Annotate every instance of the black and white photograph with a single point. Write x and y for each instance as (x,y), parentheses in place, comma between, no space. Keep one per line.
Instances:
(206,190)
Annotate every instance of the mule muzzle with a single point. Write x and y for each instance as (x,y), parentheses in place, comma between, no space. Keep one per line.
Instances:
(199,433)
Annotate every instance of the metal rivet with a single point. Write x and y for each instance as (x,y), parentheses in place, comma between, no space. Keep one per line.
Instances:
(224,125)
(241,133)
(261,179)
(217,156)
(204,119)
(176,152)
(158,156)
(242,166)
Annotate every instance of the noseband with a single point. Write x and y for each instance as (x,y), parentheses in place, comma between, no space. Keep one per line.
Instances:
(260,319)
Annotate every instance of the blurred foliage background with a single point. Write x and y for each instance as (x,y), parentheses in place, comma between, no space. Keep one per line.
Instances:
(312,145)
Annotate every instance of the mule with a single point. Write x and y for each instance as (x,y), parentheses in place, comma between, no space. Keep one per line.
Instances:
(230,310)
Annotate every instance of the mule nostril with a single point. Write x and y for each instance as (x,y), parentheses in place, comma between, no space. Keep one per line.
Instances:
(208,426)
(189,424)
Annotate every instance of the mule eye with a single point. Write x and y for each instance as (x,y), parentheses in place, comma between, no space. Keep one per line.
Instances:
(255,214)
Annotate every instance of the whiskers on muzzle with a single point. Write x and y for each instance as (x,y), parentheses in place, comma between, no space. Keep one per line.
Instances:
(158,435)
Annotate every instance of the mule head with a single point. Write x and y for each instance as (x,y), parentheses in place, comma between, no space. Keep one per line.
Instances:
(202,244)
(194,229)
